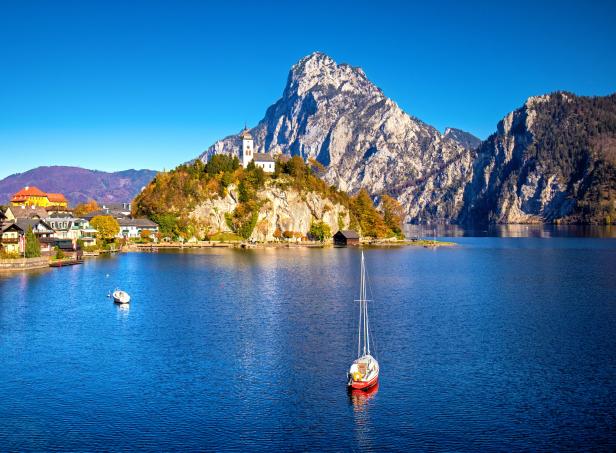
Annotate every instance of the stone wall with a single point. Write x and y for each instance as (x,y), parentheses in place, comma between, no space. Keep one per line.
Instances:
(23,263)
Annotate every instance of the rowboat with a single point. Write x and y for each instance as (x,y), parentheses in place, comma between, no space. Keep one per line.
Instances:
(120,297)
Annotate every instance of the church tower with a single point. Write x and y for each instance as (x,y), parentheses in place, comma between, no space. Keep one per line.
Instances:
(247,154)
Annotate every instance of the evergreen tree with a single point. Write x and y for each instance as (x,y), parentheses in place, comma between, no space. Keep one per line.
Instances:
(33,247)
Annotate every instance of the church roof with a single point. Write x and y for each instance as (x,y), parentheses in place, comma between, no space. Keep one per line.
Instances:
(263,157)
(245,134)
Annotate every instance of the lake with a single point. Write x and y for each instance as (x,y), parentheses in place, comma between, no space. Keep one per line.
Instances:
(499,343)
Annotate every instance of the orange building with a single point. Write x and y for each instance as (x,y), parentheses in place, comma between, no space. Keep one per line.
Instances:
(33,196)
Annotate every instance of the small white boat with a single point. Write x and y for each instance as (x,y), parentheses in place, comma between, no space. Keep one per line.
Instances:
(120,297)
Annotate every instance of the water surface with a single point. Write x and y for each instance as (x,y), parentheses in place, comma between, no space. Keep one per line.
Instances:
(499,343)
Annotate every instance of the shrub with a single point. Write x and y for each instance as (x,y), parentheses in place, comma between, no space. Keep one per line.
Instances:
(223,236)
(243,219)
(59,254)
(320,231)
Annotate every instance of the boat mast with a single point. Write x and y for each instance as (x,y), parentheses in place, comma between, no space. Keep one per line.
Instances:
(361,310)
(363,300)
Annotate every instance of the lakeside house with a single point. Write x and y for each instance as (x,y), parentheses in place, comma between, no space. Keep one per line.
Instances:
(71,228)
(51,224)
(132,228)
(13,235)
(33,196)
(346,237)
(10,238)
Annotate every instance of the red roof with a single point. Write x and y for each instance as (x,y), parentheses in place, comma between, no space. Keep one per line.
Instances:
(57,197)
(28,191)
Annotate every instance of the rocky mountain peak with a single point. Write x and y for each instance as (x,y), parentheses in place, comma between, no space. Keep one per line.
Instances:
(320,71)
(333,113)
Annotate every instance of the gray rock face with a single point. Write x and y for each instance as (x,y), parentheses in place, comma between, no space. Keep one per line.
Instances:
(284,210)
(332,113)
(550,160)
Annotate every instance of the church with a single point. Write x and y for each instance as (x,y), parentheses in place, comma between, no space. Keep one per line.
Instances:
(247,154)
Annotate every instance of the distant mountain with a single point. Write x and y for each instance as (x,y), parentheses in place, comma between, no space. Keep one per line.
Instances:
(331,112)
(554,159)
(79,184)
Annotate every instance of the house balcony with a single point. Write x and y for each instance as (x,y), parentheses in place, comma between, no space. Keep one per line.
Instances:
(10,240)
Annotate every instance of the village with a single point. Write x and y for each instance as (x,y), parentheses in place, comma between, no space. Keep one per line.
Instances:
(37,224)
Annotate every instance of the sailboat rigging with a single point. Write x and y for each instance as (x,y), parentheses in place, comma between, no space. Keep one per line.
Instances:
(364,371)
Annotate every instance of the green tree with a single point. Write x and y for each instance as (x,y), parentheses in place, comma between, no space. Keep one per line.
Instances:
(222,163)
(33,247)
(320,231)
(107,227)
(243,219)
(167,223)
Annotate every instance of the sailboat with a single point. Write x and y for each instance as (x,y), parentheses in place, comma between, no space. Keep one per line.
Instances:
(364,371)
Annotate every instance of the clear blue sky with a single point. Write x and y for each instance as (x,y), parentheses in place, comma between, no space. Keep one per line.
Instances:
(116,85)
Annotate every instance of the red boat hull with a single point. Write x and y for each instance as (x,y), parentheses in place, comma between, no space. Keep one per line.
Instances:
(361,385)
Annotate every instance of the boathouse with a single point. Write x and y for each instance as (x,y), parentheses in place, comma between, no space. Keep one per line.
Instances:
(346,237)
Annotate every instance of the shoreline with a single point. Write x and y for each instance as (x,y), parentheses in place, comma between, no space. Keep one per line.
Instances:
(263,245)
(27,264)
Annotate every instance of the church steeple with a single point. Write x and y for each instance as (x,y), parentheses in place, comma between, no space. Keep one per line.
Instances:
(247,153)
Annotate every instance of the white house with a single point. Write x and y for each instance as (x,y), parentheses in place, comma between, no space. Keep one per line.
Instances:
(132,228)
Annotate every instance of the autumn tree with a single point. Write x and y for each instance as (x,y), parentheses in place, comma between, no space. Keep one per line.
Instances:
(85,208)
(278,234)
(393,213)
(107,227)
(369,220)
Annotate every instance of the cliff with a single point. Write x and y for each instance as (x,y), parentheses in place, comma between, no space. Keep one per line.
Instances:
(282,210)
(554,159)
(200,200)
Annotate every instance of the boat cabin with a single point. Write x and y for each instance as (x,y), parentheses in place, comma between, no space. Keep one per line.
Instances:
(346,237)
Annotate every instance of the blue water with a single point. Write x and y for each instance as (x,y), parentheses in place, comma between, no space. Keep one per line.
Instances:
(496,344)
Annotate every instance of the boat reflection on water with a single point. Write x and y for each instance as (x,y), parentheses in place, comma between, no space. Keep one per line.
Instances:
(123,310)
(360,399)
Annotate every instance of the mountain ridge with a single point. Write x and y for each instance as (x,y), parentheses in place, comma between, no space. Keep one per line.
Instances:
(332,113)
(79,184)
